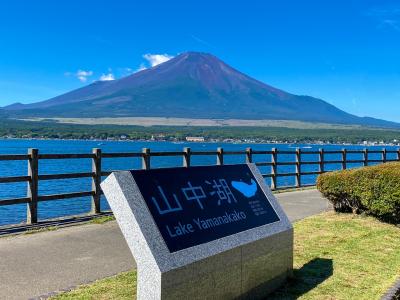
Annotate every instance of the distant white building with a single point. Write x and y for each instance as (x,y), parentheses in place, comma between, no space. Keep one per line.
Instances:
(195,139)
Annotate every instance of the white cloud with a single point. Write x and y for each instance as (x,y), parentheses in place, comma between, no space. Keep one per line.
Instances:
(82,75)
(107,77)
(156,59)
(153,60)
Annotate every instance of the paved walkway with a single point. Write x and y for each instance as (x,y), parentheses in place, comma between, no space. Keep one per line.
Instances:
(40,263)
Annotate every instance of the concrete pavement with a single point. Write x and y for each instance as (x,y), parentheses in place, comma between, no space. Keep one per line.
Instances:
(39,264)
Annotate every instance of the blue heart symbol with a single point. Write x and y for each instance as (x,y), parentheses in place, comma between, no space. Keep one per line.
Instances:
(248,190)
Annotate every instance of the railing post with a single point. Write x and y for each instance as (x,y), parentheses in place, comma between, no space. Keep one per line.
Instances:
(384,155)
(344,158)
(274,160)
(398,154)
(249,155)
(33,184)
(298,167)
(321,161)
(365,157)
(96,180)
(146,158)
(186,157)
(220,156)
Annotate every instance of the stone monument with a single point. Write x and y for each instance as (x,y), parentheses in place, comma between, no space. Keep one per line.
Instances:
(212,232)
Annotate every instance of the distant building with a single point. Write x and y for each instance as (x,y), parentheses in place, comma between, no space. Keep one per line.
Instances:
(195,139)
(158,137)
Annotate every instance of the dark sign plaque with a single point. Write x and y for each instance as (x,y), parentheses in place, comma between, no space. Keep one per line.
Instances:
(196,205)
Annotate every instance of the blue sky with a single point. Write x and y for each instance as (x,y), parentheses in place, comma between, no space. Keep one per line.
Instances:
(345,52)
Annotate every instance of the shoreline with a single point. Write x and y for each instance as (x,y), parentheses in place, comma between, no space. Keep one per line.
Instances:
(211,141)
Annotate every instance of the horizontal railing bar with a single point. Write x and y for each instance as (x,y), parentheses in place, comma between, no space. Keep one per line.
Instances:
(310,162)
(65,176)
(121,154)
(166,153)
(267,175)
(65,156)
(333,161)
(106,173)
(14,179)
(288,163)
(392,160)
(14,201)
(65,196)
(14,156)
(375,151)
(392,151)
(375,160)
(311,173)
(355,151)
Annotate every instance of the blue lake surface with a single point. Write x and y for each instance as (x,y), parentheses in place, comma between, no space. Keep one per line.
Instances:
(17,213)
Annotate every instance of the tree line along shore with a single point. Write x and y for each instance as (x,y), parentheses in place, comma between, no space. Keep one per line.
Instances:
(52,130)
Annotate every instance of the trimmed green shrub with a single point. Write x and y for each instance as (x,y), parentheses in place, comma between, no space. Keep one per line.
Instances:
(374,190)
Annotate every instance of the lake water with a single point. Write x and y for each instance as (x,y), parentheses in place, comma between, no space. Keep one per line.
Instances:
(17,213)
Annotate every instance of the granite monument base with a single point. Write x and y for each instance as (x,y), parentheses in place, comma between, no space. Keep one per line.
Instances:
(251,271)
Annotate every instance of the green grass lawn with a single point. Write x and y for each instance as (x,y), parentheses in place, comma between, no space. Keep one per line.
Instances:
(337,256)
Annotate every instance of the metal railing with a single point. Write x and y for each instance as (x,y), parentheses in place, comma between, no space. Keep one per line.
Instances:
(33,177)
